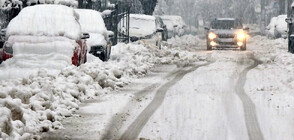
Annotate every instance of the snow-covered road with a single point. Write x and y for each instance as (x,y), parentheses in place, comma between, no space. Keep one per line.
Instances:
(206,100)
(219,94)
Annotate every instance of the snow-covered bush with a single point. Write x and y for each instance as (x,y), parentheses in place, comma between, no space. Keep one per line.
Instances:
(277,27)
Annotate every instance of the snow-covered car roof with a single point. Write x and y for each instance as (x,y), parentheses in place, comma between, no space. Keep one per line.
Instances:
(143,17)
(46,20)
(171,20)
(142,25)
(71,3)
(91,21)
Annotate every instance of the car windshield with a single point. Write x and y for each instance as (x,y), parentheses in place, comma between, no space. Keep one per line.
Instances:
(225,24)
(140,23)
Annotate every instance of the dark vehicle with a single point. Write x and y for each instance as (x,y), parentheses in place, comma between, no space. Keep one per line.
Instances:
(290,21)
(160,24)
(2,37)
(226,33)
(2,40)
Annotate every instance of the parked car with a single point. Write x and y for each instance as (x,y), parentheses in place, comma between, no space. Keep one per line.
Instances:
(2,37)
(175,25)
(47,34)
(160,24)
(99,43)
(277,27)
(2,40)
(226,33)
(290,21)
(144,27)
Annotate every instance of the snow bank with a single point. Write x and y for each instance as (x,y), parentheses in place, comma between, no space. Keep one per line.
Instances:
(38,103)
(271,87)
(46,20)
(277,27)
(33,53)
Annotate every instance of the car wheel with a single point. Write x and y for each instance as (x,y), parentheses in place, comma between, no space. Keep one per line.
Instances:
(79,60)
(85,61)
(243,48)
(291,46)
(102,56)
(209,47)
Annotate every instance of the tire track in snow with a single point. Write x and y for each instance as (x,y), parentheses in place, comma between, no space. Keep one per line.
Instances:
(112,131)
(135,128)
(252,125)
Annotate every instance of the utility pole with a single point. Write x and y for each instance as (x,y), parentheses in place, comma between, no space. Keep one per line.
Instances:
(289,4)
(286,6)
(262,16)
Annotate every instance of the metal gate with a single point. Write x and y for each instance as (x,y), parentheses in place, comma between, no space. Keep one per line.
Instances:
(119,22)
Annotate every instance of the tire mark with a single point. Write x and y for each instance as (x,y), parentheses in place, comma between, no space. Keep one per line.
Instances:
(136,127)
(116,121)
(252,125)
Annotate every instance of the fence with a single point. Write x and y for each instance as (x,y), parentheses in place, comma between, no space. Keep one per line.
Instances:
(119,23)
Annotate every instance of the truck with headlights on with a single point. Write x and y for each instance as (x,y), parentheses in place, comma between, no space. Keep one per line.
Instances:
(226,33)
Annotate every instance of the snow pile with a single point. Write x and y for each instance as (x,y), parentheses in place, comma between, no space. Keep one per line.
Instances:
(39,102)
(34,53)
(46,20)
(186,42)
(277,27)
(271,87)
(176,51)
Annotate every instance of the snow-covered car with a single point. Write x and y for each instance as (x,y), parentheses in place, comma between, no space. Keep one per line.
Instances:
(175,25)
(99,43)
(277,27)
(144,27)
(46,35)
(226,33)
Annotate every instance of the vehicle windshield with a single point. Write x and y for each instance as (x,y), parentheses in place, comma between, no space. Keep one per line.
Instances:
(225,24)
(140,23)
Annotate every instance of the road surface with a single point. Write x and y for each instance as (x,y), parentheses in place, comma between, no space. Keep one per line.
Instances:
(204,100)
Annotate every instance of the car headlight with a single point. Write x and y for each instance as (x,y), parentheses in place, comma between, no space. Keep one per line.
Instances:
(159,36)
(241,36)
(211,36)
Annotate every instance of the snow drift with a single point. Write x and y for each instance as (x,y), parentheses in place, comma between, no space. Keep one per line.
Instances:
(38,103)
